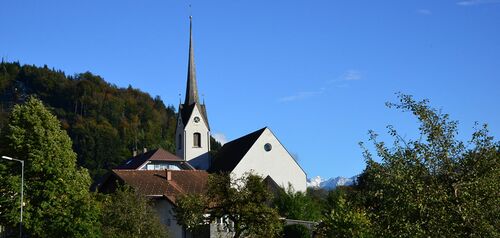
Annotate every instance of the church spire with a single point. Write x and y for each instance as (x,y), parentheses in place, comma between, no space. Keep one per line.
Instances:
(192,88)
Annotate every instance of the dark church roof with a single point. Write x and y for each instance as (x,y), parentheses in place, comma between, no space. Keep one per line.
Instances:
(185,112)
(192,88)
(233,152)
(153,155)
(192,99)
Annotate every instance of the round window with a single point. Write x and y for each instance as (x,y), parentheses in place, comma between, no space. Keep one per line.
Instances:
(268,147)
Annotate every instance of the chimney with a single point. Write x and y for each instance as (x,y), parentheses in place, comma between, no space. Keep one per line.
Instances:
(144,150)
(134,153)
(169,175)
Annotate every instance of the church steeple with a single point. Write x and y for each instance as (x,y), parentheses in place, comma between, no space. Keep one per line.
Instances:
(193,131)
(192,87)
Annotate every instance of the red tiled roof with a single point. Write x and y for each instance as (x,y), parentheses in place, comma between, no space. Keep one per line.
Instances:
(155,183)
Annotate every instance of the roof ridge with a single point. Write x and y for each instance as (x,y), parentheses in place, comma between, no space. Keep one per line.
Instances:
(124,170)
(231,153)
(249,134)
(182,171)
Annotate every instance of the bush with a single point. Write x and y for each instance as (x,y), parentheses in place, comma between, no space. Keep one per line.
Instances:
(296,231)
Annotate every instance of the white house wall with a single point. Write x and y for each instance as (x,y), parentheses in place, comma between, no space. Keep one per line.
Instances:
(167,216)
(277,163)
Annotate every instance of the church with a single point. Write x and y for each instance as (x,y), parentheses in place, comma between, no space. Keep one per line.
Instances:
(163,176)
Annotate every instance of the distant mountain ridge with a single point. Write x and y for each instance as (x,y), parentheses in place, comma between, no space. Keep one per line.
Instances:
(331,183)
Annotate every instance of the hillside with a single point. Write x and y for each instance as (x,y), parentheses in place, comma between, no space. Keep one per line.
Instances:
(105,122)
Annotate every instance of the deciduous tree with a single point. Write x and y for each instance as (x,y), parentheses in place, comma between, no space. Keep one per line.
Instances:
(57,199)
(436,185)
(242,202)
(297,205)
(126,213)
(343,219)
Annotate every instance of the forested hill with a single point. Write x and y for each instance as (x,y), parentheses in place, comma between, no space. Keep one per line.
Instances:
(106,123)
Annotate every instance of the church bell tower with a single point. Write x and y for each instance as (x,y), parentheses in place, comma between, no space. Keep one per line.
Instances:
(193,131)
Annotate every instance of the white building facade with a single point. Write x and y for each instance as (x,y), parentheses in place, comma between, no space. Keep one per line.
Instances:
(268,157)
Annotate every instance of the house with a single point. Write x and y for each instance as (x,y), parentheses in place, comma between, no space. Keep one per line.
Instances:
(158,159)
(162,177)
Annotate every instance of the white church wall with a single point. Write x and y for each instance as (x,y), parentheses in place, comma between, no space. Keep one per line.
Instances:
(198,156)
(277,163)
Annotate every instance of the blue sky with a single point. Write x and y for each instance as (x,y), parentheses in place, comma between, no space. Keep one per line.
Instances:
(316,72)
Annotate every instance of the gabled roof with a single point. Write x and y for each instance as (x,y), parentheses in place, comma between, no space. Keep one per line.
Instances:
(185,112)
(155,183)
(233,152)
(153,155)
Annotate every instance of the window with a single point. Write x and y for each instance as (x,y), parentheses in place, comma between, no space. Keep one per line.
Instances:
(197,139)
(179,143)
(155,165)
(268,147)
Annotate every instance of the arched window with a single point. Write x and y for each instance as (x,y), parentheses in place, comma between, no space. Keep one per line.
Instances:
(197,139)
(179,142)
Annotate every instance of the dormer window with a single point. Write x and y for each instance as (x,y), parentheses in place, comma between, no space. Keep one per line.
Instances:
(196,139)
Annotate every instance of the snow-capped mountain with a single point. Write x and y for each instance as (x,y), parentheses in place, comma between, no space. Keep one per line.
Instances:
(329,184)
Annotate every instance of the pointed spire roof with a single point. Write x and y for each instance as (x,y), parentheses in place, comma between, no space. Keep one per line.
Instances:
(192,87)
(192,99)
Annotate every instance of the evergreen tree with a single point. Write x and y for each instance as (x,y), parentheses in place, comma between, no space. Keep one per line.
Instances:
(57,199)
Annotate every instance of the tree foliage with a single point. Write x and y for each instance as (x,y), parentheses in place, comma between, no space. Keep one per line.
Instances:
(106,123)
(296,231)
(297,205)
(342,218)
(435,186)
(57,199)
(215,146)
(242,202)
(126,213)
(190,211)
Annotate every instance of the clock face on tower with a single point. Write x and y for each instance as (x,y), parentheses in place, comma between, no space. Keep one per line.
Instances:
(196,119)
